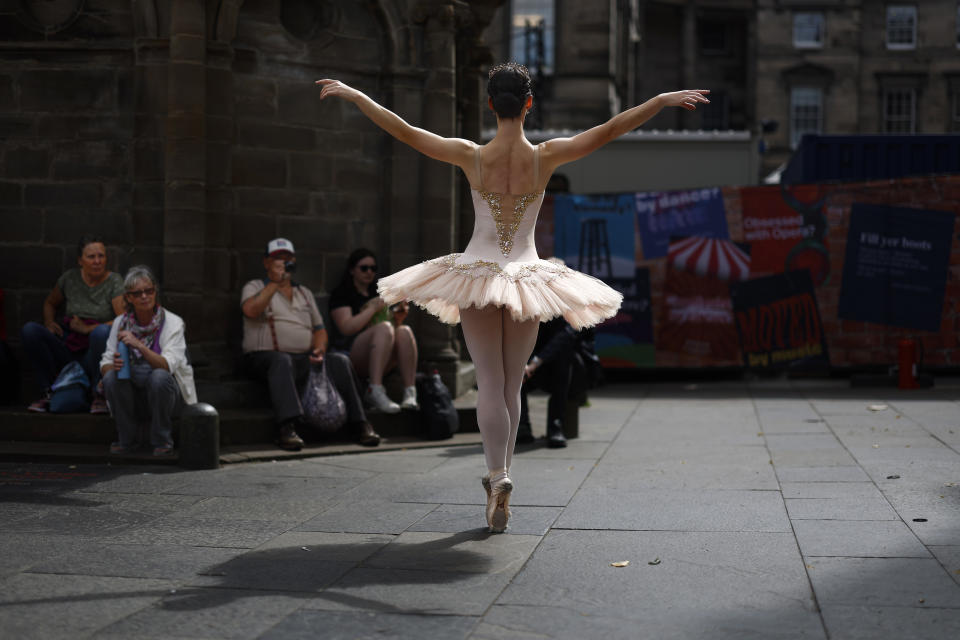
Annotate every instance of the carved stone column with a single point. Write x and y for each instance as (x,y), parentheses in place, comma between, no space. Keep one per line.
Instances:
(438,190)
(184,220)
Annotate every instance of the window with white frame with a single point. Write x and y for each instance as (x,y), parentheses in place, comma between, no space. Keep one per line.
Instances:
(532,33)
(899,111)
(806,112)
(808,28)
(901,26)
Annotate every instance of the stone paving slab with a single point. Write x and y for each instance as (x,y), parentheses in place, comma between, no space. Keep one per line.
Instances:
(162,561)
(451,518)
(747,468)
(376,517)
(852,508)
(189,612)
(438,593)
(887,582)
(599,507)
(512,622)
(702,581)
(462,552)
(362,625)
(859,539)
(829,490)
(871,623)
(949,558)
(36,605)
(265,508)
(846,473)
(204,532)
(933,517)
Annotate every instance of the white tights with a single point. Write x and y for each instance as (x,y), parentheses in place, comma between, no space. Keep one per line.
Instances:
(500,347)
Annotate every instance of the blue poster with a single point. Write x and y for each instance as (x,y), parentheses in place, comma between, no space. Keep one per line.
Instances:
(626,340)
(895,268)
(595,234)
(661,214)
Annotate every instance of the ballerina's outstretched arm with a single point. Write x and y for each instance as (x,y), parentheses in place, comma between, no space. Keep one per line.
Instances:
(453,150)
(560,151)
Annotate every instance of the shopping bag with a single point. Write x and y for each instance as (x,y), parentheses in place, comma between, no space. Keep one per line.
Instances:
(70,390)
(323,408)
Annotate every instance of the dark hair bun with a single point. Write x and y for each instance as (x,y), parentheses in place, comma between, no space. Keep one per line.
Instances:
(508,86)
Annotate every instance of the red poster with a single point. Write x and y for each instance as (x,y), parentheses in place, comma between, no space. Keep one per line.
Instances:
(786,230)
(697,317)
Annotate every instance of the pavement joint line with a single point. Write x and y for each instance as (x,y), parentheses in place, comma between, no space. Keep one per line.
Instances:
(793,531)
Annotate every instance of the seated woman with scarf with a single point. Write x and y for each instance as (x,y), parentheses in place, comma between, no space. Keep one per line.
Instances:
(160,380)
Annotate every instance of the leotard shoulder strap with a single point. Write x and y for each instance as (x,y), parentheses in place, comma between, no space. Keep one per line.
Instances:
(536,168)
(476,164)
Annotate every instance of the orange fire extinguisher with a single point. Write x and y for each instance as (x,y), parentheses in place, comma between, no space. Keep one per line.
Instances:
(907,356)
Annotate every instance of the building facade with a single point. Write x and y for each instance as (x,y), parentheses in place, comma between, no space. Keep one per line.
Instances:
(798,66)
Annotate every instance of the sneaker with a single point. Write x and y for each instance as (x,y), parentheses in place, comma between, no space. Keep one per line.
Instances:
(118,449)
(410,399)
(42,405)
(376,397)
(99,405)
(289,439)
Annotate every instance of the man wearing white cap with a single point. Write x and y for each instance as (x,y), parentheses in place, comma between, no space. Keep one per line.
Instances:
(283,334)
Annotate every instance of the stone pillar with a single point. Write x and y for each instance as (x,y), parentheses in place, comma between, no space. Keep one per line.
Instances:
(438,190)
(184,220)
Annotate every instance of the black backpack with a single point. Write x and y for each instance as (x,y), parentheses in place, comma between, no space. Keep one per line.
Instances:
(440,419)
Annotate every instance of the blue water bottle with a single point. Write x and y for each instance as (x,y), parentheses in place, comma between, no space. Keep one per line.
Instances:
(124,351)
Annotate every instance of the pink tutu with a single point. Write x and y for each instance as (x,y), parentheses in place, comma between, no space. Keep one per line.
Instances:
(530,290)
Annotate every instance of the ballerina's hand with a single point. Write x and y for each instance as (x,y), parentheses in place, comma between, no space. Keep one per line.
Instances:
(687,98)
(336,88)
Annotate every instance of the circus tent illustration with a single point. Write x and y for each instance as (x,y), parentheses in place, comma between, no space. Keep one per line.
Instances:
(722,259)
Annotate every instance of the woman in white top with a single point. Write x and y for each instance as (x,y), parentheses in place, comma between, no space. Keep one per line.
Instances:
(160,380)
(498,288)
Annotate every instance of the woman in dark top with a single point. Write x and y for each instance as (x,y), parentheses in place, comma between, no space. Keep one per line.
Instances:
(91,296)
(373,334)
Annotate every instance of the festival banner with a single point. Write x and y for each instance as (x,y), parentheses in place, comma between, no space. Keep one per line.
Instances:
(895,269)
(595,234)
(779,322)
(626,340)
(786,228)
(697,318)
(662,214)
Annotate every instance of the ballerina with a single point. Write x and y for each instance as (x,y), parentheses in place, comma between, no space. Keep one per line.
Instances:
(498,288)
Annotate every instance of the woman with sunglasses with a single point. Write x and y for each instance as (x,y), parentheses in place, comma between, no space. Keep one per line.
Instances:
(154,378)
(374,335)
(498,288)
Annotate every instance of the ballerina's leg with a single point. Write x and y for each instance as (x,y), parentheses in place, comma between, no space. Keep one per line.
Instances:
(519,339)
(483,333)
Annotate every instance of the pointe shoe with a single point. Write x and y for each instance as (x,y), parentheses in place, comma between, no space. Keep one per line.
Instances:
(498,505)
(485,481)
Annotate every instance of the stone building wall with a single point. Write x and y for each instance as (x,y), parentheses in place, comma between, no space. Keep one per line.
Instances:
(854,66)
(189,133)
